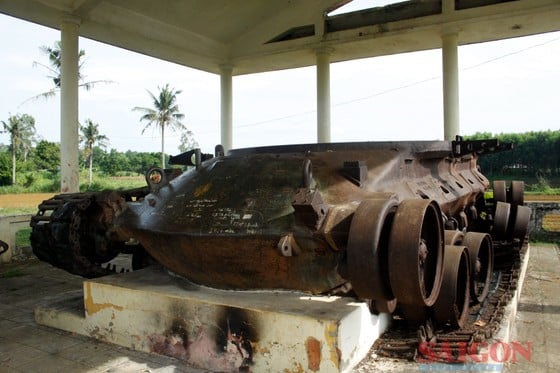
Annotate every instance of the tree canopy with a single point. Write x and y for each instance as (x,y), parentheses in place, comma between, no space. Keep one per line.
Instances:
(46,156)
(534,154)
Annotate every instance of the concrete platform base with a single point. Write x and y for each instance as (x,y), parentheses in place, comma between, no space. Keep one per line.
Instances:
(152,311)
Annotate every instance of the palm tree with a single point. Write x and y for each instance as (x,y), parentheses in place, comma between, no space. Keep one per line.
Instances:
(164,114)
(22,132)
(89,137)
(54,55)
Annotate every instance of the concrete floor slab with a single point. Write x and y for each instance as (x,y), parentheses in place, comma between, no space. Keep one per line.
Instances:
(538,318)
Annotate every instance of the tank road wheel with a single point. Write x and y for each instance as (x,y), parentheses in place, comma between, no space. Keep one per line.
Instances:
(367,249)
(516,193)
(501,219)
(499,190)
(416,255)
(414,315)
(383,306)
(453,237)
(521,223)
(452,305)
(481,253)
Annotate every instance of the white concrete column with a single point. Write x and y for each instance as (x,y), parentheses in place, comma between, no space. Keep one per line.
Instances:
(323,95)
(69,133)
(451,122)
(447,6)
(226,84)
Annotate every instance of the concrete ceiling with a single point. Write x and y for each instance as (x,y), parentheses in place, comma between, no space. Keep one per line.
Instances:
(262,35)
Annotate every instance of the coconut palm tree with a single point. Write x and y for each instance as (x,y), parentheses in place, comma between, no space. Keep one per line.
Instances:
(54,55)
(22,133)
(165,113)
(89,137)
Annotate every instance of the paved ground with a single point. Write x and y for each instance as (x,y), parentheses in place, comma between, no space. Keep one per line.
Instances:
(538,314)
(26,346)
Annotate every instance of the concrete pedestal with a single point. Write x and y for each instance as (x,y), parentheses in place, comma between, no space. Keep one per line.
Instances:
(153,311)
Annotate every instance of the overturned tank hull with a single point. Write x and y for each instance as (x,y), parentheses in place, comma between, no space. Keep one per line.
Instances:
(388,222)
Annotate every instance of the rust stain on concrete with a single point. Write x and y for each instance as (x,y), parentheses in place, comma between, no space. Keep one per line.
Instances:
(297,369)
(92,307)
(331,333)
(258,349)
(313,348)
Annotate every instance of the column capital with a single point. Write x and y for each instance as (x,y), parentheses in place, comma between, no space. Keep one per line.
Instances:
(324,50)
(447,6)
(226,67)
(71,19)
(450,31)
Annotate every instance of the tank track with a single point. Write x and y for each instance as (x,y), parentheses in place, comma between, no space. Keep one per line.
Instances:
(425,343)
(69,231)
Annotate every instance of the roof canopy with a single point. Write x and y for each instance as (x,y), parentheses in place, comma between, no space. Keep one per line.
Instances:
(259,35)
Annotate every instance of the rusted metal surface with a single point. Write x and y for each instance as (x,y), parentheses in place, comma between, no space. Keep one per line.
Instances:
(481,253)
(73,231)
(369,220)
(416,248)
(222,223)
(368,249)
(452,305)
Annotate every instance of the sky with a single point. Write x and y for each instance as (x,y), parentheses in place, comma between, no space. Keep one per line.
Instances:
(508,86)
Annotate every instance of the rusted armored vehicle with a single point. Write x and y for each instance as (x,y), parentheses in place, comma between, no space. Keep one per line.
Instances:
(393,223)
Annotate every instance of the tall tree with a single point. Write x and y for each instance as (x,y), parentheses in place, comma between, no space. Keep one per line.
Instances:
(46,156)
(53,68)
(89,137)
(187,141)
(165,113)
(22,133)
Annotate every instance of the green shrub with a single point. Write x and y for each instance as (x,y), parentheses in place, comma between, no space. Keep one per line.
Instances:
(12,272)
(22,237)
(28,180)
(541,186)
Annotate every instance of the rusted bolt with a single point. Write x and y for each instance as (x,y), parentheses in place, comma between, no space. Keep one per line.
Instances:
(287,245)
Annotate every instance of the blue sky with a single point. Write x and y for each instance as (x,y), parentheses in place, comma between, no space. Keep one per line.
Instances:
(506,86)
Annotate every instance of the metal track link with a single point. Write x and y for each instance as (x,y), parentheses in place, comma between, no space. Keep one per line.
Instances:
(57,231)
